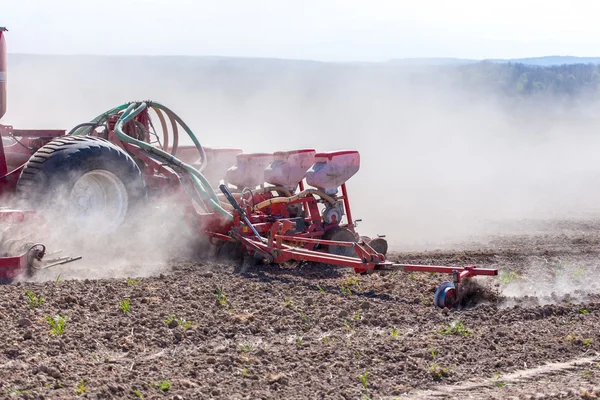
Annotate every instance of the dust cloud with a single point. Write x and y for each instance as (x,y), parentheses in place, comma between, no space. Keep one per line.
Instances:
(439,164)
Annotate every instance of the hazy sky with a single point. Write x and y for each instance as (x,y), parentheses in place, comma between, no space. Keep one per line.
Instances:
(330,30)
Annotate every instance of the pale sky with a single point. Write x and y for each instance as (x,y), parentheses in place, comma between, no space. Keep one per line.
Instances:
(328,30)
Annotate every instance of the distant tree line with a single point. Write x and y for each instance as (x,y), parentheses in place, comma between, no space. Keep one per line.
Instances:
(524,80)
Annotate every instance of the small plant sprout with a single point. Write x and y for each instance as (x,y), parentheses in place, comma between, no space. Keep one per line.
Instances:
(434,353)
(584,311)
(587,342)
(138,394)
(32,300)
(299,341)
(221,296)
(321,289)
(163,386)
(363,379)
(456,328)
(303,316)
(352,281)
(246,348)
(578,273)
(507,277)
(124,305)
(180,321)
(57,324)
(437,372)
(288,303)
(131,282)
(345,290)
(357,316)
(395,333)
(80,389)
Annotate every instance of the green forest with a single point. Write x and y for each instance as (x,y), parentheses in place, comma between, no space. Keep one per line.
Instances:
(516,79)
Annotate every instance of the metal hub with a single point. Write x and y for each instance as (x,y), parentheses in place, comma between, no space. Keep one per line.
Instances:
(445,296)
(98,202)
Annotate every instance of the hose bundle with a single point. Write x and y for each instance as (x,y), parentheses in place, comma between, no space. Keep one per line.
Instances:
(130,111)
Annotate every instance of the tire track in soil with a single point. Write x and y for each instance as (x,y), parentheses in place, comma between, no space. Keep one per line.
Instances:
(579,378)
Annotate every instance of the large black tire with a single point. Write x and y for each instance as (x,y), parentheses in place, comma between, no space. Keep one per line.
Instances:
(87,183)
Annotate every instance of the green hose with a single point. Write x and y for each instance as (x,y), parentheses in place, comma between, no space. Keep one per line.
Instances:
(201,184)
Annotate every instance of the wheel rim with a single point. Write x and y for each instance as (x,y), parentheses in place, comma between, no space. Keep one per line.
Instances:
(98,202)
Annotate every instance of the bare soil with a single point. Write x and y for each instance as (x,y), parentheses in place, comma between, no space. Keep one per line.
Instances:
(204,330)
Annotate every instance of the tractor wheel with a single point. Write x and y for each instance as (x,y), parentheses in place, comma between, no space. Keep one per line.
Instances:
(340,235)
(87,184)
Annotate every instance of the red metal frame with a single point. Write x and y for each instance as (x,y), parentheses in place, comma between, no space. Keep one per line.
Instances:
(367,260)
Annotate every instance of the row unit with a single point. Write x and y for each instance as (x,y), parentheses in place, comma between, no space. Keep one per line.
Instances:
(325,171)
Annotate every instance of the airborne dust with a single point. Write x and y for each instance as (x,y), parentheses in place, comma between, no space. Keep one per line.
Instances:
(440,165)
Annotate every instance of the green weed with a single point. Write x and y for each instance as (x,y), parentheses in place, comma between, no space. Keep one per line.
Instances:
(395,333)
(80,389)
(246,348)
(131,282)
(57,324)
(124,305)
(578,273)
(345,290)
(163,386)
(138,394)
(363,378)
(507,277)
(352,281)
(437,372)
(303,316)
(299,341)
(32,300)
(180,321)
(570,337)
(456,328)
(221,296)
(321,289)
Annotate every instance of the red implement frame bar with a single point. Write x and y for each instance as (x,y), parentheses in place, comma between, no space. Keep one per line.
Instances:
(367,260)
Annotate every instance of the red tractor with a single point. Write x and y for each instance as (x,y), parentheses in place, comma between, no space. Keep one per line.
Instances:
(101,175)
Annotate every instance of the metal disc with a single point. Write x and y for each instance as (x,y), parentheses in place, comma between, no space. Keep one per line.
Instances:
(445,295)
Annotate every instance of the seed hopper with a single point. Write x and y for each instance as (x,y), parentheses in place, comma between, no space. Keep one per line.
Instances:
(277,207)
